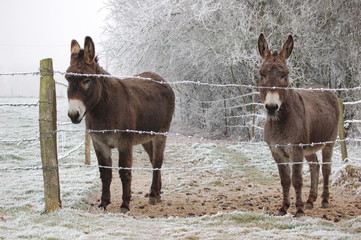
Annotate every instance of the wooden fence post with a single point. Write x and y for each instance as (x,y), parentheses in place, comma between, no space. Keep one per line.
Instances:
(225,118)
(87,146)
(341,132)
(48,139)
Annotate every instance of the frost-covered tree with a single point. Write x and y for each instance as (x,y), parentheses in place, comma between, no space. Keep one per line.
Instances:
(214,41)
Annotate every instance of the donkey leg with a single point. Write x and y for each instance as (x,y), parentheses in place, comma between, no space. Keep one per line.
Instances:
(125,161)
(103,154)
(326,171)
(315,172)
(297,180)
(157,162)
(284,172)
(149,149)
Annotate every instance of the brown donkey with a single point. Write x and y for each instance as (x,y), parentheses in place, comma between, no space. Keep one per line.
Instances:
(113,104)
(294,118)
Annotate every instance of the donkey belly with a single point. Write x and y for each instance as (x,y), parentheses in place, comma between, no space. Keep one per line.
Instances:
(109,140)
(152,122)
(322,115)
(147,132)
(116,140)
(309,150)
(142,138)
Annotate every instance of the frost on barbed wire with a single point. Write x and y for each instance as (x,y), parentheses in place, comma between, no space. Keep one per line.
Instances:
(215,41)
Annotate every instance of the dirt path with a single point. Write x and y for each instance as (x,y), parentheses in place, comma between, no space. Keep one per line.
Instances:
(206,192)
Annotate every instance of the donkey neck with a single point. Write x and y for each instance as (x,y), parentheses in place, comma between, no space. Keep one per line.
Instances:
(108,86)
(112,91)
(111,105)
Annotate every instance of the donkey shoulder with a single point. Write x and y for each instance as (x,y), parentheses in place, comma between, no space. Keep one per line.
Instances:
(149,89)
(318,96)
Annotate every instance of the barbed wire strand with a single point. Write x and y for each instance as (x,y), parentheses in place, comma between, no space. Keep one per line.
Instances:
(246,115)
(348,161)
(352,121)
(19,104)
(234,98)
(71,151)
(225,108)
(352,103)
(64,123)
(19,140)
(20,73)
(203,138)
(177,82)
(61,84)
(203,83)
(224,99)
(170,134)
(184,169)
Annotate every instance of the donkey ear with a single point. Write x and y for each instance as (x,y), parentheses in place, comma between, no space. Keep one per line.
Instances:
(263,46)
(74,47)
(287,48)
(89,50)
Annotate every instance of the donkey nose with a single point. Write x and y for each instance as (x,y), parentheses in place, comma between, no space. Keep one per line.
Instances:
(271,108)
(74,116)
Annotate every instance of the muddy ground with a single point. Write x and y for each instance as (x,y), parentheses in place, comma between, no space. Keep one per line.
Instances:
(206,192)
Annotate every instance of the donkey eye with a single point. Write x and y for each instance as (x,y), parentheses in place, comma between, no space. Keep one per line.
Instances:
(86,81)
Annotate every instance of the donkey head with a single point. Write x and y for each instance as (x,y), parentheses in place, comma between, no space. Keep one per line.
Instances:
(83,91)
(274,73)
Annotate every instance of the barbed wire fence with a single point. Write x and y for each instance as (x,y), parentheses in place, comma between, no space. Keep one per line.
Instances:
(258,116)
(255,120)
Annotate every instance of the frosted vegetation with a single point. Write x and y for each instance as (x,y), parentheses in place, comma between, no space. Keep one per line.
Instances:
(215,41)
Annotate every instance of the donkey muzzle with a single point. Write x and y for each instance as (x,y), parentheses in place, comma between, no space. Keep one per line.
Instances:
(76,110)
(272,102)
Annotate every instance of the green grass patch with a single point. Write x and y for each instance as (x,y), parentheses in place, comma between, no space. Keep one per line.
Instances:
(251,172)
(11,157)
(246,218)
(218,183)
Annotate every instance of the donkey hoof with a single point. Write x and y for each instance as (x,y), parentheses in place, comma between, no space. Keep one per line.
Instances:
(124,210)
(154,200)
(102,207)
(300,213)
(325,204)
(281,212)
(308,205)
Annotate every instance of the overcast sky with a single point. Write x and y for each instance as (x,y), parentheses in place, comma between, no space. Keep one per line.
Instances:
(38,29)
